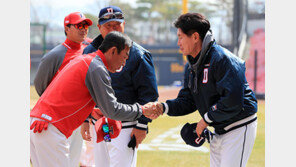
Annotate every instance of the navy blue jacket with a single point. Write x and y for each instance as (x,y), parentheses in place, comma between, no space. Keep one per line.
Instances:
(135,83)
(216,86)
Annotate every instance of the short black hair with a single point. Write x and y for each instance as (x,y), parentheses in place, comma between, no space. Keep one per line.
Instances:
(193,22)
(117,39)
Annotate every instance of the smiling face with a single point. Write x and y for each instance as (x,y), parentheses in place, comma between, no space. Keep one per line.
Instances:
(117,60)
(77,33)
(189,44)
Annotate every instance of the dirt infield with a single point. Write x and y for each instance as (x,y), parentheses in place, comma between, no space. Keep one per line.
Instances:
(166,93)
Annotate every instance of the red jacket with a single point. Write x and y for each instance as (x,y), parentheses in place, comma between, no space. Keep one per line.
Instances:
(72,95)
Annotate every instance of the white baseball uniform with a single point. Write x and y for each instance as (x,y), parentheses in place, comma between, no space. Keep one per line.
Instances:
(233,148)
(115,153)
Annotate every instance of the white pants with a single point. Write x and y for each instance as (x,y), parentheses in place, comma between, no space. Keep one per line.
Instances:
(115,153)
(87,153)
(234,148)
(50,148)
(75,141)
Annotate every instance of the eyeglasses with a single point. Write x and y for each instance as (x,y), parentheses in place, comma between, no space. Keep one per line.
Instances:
(106,130)
(81,26)
(116,15)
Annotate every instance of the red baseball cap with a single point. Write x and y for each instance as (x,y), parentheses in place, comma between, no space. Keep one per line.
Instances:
(114,128)
(75,18)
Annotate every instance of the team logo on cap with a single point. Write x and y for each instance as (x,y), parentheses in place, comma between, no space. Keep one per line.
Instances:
(110,10)
(80,15)
(198,140)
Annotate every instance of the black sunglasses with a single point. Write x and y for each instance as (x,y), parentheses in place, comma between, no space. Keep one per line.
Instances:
(116,15)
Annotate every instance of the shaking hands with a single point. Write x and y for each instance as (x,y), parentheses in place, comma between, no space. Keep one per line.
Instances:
(152,110)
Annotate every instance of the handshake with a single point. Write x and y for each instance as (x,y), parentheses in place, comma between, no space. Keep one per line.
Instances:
(152,110)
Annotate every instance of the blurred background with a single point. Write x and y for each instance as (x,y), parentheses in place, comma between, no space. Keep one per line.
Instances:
(238,25)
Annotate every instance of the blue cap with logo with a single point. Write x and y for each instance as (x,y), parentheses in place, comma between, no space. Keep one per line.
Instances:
(110,13)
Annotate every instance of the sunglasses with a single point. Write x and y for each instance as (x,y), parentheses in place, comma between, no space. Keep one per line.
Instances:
(116,15)
(106,130)
(81,26)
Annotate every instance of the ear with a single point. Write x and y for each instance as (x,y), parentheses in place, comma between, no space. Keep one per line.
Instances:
(99,26)
(196,36)
(113,50)
(66,28)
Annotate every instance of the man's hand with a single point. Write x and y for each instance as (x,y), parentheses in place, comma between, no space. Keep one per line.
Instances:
(152,110)
(85,131)
(139,134)
(39,125)
(159,106)
(97,114)
(201,125)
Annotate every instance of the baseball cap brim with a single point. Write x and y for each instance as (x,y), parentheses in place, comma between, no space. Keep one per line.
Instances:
(106,21)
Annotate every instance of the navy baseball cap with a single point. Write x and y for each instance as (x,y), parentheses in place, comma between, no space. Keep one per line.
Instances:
(110,13)
(189,135)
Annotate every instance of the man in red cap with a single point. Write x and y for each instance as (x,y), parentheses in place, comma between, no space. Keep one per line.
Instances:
(76,29)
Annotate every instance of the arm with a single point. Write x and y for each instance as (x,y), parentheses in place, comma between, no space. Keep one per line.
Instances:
(98,83)
(184,103)
(48,67)
(144,82)
(230,86)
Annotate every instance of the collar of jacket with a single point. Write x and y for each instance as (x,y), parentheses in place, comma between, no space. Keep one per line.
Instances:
(206,44)
(102,56)
(97,42)
(72,45)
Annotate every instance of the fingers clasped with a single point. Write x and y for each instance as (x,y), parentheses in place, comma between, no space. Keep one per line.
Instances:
(152,110)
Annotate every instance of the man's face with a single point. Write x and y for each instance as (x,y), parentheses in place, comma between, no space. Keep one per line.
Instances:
(77,33)
(118,60)
(111,26)
(186,43)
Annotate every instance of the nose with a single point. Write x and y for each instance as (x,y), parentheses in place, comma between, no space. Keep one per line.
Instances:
(83,30)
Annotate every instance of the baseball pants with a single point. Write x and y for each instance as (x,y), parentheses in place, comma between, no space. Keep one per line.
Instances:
(49,148)
(234,148)
(87,153)
(75,141)
(115,153)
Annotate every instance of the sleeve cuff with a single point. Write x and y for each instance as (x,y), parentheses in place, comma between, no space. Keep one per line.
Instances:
(141,126)
(207,119)
(165,107)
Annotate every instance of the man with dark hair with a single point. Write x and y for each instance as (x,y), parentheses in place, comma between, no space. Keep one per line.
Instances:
(71,96)
(216,86)
(76,29)
(136,82)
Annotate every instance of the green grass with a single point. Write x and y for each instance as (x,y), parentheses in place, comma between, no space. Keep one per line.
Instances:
(192,158)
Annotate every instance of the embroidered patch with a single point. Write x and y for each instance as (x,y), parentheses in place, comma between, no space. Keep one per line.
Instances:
(214,107)
(46,117)
(110,10)
(205,76)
